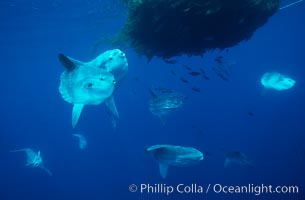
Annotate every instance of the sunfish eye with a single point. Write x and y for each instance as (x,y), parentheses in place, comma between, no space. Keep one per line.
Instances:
(102,79)
(110,58)
(89,85)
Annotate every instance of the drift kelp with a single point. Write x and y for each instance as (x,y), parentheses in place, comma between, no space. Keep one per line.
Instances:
(167,28)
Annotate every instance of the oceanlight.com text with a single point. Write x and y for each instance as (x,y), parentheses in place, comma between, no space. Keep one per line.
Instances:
(195,188)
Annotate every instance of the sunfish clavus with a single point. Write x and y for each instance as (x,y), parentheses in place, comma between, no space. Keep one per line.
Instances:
(171,155)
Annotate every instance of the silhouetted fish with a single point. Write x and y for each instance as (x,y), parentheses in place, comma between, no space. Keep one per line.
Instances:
(196,89)
(219,60)
(236,157)
(187,67)
(173,72)
(170,61)
(221,72)
(250,113)
(183,80)
(204,75)
(194,73)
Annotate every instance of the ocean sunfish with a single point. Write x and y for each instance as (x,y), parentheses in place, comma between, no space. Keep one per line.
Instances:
(236,157)
(171,155)
(81,85)
(82,142)
(34,159)
(277,81)
(112,61)
(164,101)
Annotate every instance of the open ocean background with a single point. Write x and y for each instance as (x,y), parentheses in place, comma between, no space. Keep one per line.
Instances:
(214,120)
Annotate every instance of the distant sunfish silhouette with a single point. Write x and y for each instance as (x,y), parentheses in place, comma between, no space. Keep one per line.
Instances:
(82,141)
(34,159)
(171,155)
(92,83)
(277,81)
(236,157)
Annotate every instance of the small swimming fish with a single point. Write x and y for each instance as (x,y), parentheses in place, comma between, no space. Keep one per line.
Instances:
(170,61)
(34,159)
(194,73)
(250,113)
(236,157)
(82,141)
(196,89)
(277,81)
(171,155)
(187,67)
(173,72)
(183,80)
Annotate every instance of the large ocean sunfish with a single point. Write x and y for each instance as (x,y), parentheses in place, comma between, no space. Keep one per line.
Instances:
(277,81)
(112,61)
(83,85)
(115,62)
(171,155)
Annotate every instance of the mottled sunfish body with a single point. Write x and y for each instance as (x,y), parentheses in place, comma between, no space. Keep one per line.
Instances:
(236,157)
(110,66)
(171,155)
(34,159)
(81,85)
(82,142)
(164,101)
(113,61)
(277,81)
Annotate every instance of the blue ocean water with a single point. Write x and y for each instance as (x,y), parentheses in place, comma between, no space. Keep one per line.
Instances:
(267,126)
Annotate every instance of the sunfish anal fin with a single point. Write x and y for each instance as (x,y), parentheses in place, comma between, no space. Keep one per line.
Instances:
(77,110)
(163,169)
(69,63)
(112,107)
(227,162)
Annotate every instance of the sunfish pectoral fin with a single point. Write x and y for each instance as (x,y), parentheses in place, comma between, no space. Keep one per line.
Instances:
(17,150)
(112,107)
(163,169)
(46,170)
(68,62)
(162,119)
(77,110)
(263,92)
(112,110)
(227,162)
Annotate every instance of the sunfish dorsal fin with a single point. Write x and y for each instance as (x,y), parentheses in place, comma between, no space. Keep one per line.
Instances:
(163,169)
(68,62)
(77,110)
